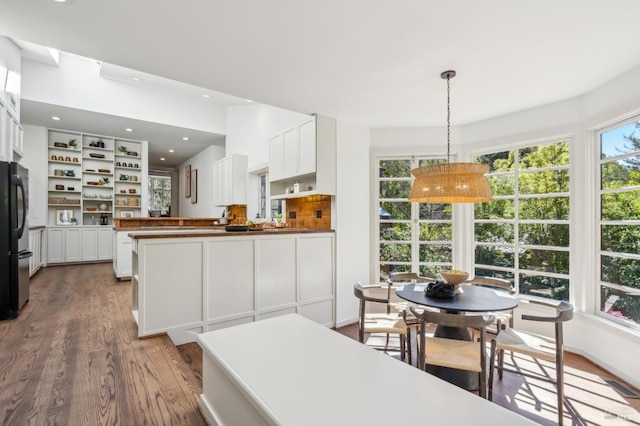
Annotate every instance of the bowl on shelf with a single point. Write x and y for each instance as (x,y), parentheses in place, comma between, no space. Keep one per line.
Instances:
(60,145)
(105,196)
(94,155)
(104,170)
(90,170)
(92,209)
(103,206)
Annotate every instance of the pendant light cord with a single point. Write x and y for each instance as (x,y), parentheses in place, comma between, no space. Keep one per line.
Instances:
(448,119)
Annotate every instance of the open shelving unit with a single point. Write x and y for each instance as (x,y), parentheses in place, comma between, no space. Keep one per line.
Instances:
(91,176)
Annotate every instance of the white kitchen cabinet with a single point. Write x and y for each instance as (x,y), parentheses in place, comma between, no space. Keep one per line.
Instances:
(73,244)
(290,140)
(122,255)
(105,243)
(225,280)
(230,180)
(89,248)
(305,155)
(79,244)
(276,157)
(35,245)
(55,245)
(307,148)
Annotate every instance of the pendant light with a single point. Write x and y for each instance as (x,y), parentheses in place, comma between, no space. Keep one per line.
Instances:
(450,182)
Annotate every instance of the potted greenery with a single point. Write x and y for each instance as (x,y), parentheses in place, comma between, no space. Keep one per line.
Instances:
(74,220)
(73,144)
(278,220)
(122,149)
(106,180)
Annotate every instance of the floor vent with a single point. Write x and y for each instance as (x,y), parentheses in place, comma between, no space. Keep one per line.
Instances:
(621,389)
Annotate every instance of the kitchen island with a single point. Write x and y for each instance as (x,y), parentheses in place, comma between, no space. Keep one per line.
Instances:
(190,281)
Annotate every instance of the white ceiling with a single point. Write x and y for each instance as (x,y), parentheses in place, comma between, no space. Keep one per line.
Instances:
(376,63)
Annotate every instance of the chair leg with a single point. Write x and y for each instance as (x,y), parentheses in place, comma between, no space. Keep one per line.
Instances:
(560,392)
(500,363)
(492,365)
(409,344)
(402,345)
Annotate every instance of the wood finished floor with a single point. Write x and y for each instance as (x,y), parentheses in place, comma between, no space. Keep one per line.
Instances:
(73,358)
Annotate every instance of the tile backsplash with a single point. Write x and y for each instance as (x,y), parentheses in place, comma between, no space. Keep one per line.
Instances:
(312,212)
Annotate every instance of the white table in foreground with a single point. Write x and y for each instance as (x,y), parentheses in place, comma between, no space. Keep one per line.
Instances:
(289,370)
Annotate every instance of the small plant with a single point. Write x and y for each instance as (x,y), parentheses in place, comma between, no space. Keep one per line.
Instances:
(74,220)
(73,143)
(278,217)
(106,180)
(122,148)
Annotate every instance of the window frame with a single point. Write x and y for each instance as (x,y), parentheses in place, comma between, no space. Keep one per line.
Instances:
(516,246)
(599,222)
(415,264)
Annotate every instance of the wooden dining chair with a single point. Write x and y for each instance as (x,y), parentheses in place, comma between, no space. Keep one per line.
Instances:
(454,353)
(536,346)
(499,284)
(401,306)
(385,322)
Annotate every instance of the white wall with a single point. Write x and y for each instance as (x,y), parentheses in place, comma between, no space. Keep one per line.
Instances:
(609,345)
(34,158)
(203,163)
(352,221)
(76,83)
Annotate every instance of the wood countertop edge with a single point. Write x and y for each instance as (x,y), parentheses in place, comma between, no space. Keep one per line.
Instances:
(195,233)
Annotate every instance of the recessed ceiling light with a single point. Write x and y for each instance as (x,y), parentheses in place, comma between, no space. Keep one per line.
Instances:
(249,100)
(204,95)
(171,150)
(185,138)
(64,1)
(136,79)
(161,158)
(129,130)
(55,118)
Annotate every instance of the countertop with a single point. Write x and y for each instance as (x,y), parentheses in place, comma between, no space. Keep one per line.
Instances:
(320,377)
(167,232)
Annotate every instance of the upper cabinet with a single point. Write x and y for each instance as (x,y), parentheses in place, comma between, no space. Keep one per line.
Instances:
(302,160)
(10,135)
(230,180)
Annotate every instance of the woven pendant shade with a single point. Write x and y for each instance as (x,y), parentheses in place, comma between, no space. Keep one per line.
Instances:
(451,183)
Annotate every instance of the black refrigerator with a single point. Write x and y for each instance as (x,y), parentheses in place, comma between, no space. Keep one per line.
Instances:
(14,239)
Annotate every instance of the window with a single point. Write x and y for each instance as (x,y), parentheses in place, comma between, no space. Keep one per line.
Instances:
(412,237)
(619,222)
(523,234)
(160,193)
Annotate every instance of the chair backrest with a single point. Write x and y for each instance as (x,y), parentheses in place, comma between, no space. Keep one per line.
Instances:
(564,312)
(400,278)
(453,320)
(492,282)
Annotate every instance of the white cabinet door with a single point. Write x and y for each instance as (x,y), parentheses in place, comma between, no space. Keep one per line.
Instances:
(123,254)
(35,245)
(307,148)
(290,138)
(276,157)
(3,134)
(105,244)
(55,245)
(230,180)
(16,136)
(89,244)
(73,245)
